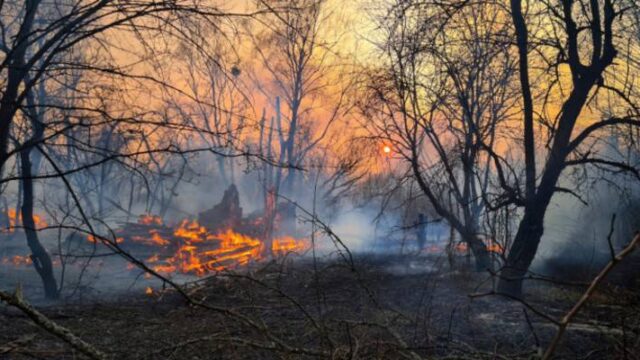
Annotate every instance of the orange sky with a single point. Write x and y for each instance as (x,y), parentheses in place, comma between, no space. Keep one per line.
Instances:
(349,29)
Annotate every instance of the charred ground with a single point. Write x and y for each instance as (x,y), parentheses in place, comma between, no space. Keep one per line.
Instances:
(378,307)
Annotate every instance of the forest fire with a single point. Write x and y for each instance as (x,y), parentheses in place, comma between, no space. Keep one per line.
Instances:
(191,248)
(363,179)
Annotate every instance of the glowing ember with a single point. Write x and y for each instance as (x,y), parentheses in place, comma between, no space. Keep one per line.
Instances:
(17,260)
(462,248)
(92,239)
(154,238)
(433,249)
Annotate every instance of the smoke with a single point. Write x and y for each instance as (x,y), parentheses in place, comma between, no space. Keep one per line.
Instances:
(356,227)
(576,244)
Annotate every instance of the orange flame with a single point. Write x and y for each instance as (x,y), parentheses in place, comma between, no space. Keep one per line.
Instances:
(92,239)
(287,244)
(463,247)
(150,220)
(202,252)
(495,248)
(15,220)
(191,248)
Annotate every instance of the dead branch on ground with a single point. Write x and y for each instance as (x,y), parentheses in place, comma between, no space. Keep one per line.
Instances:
(41,320)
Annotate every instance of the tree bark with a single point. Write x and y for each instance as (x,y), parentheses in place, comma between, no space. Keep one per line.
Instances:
(39,255)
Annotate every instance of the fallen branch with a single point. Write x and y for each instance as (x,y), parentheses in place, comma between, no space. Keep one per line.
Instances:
(41,320)
(16,344)
(566,320)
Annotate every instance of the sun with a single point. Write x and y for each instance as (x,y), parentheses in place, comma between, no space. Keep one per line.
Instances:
(386,149)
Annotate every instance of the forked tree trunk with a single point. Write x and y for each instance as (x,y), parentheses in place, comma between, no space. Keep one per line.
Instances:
(39,255)
(521,255)
(531,228)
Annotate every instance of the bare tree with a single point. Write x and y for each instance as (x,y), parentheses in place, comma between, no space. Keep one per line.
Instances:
(440,103)
(218,98)
(298,64)
(587,38)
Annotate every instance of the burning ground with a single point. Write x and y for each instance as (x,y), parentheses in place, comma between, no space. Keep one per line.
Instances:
(218,240)
(376,307)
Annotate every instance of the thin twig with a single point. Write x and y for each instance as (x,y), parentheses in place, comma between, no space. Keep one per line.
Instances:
(566,320)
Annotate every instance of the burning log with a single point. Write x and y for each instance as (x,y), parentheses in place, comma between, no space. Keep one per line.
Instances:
(147,235)
(192,248)
(225,215)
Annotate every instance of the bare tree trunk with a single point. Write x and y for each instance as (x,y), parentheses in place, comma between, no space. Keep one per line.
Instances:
(479,251)
(39,255)
(270,208)
(15,76)
(451,247)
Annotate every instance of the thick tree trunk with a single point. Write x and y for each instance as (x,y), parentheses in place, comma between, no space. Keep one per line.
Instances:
(39,255)
(522,253)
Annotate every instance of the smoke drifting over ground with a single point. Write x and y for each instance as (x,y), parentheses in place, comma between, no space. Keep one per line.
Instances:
(576,240)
